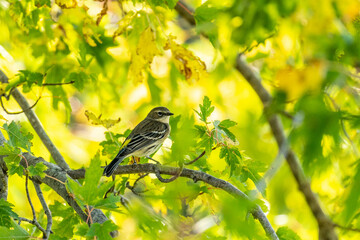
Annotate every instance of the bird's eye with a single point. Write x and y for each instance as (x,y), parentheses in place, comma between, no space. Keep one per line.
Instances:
(160,114)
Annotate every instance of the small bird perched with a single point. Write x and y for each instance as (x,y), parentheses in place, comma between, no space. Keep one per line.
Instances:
(145,139)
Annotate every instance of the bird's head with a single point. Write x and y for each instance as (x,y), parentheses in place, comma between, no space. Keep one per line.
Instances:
(161,114)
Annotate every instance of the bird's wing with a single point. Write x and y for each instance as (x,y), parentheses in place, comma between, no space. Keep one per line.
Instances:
(139,139)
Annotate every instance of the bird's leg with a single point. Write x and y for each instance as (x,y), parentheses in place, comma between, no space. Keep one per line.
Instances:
(137,160)
(133,160)
(152,159)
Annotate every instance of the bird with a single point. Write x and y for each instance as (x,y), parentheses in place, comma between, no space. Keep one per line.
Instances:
(145,139)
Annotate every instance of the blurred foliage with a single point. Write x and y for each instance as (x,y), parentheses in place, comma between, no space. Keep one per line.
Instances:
(88,64)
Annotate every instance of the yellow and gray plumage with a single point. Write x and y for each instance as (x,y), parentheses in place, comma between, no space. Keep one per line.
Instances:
(145,139)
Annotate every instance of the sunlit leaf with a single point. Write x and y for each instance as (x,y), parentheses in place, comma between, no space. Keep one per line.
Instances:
(101,230)
(285,233)
(37,170)
(6,213)
(107,123)
(191,66)
(18,137)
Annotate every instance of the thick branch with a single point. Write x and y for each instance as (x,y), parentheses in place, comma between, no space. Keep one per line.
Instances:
(55,178)
(36,124)
(326,228)
(194,175)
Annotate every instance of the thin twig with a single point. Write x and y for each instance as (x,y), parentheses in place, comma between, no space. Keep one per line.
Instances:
(198,157)
(46,209)
(14,113)
(132,188)
(347,228)
(28,197)
(169,180)
(57,84)
(37,224)
(287,114)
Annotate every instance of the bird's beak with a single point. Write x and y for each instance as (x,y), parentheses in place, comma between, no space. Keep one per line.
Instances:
(169,113)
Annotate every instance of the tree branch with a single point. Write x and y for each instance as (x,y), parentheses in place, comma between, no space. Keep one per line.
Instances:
(46,209)
(3,173)
(36,124)
(55,177)
(326,227)
(185,12)
(28,197)
(35,223)
(56,171)
(195,176)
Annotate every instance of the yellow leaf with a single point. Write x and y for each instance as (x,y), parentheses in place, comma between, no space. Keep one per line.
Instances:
(145,52)
(89,32)
(107,123)
(124,23)
(295,82)
(191,66)
(147,46)
(137,68)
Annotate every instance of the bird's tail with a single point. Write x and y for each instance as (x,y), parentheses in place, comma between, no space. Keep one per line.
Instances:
(109,169)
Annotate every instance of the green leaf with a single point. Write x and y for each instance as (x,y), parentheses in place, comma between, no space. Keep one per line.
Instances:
(205,13)
(69,219)
(157,3)
(183,130)
(231,156)
(14,232)
(18,137)
(113,142)
(79,78)
(204,18)
(227,123)
(6,213)
(205,109)
(12,159)
(92,191)
(171,3)
(30,78)
(102,231)
(352,201)
(108,203)
(37,170)
(41,3)
(155,91)
(285,233)
(121,186)
(82,229)
(222,131)
(8,149)
(56,74)
(83,60)
(15,168)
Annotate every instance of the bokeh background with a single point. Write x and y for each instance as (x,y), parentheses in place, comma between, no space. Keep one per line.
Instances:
(307,54)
